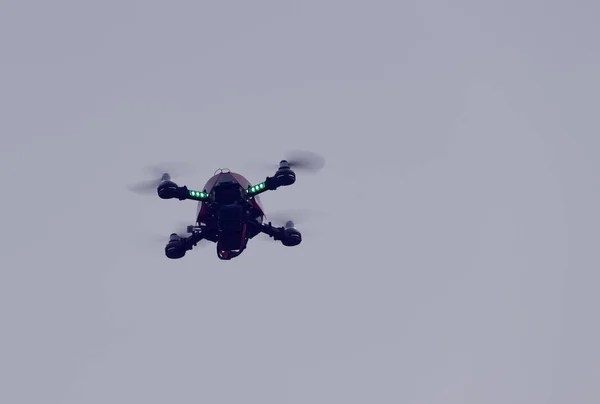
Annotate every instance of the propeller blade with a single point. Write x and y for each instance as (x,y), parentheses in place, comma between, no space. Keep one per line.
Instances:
(180,229)
(146,187)
(160,173)
(301,160)
(305,160)
(280,218)
(306,234)
(177,169)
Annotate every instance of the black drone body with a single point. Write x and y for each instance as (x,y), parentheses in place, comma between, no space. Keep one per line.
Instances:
(229,212)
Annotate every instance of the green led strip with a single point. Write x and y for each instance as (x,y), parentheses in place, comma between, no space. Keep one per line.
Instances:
(257,188)
(198,195)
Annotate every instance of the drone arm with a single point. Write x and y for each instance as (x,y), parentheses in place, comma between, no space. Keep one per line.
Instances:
(274,232)
(170,190)
(195,195)
(267,185)
(282,178)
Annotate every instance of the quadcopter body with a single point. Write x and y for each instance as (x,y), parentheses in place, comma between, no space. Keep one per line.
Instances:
(229,212)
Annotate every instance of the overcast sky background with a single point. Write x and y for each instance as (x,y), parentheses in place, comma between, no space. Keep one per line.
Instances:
(452,254)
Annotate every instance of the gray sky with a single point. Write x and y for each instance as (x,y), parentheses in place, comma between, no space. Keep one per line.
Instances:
(452,255)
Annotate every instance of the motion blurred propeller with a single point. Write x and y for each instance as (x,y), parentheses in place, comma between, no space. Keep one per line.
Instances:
(305,160)
(291,218)
(300,160)
(159,174)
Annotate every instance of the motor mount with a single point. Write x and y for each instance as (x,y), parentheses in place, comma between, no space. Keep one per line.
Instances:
(168,190)
(285,175)
(176,247)
(291,236)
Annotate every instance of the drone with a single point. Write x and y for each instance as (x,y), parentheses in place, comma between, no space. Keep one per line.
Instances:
(229,211)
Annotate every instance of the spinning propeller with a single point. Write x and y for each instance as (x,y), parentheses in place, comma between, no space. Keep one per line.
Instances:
(300,160)
(305,160)
(289,218)
(159,174)
(181,228)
